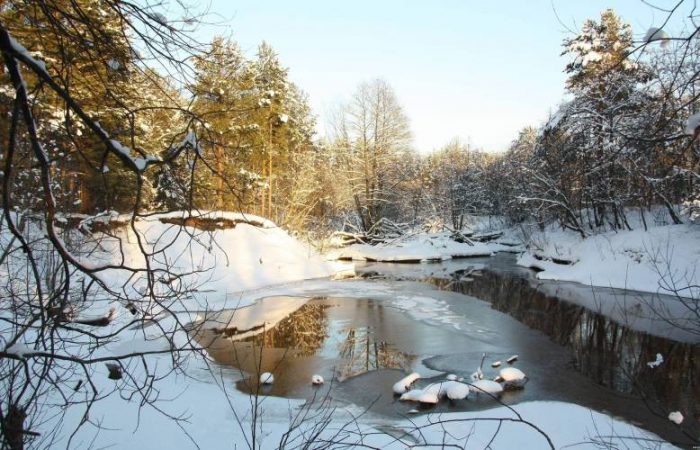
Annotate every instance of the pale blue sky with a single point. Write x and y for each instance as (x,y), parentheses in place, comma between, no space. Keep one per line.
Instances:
(479,70)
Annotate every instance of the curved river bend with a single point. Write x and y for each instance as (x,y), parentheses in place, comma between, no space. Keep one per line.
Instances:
(589,346)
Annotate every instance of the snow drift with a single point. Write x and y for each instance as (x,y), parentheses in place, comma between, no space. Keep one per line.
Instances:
(422,247)
(663,259)
(211,256)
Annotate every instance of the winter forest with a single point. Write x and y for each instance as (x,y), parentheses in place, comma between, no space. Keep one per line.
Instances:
(194,255)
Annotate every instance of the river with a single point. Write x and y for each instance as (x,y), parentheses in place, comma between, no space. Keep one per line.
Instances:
(589,346)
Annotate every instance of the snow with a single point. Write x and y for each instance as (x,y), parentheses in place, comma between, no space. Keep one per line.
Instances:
(565,424)
(411,396)
(663,259)
(692,124)
(19,348)
(401,386)
(486,386)
(656,34)
(19,48)
(264,312)
(216,266)
(511,374)
(141,163)
(418,248)
(426,397)
(478,375)
(205,397)
(212,423)
(657,362)
(591,57)
(113,64)
(456,390)
(139,343)
(676,417)
(317,379)
(267,378)
(124,150)
(439,389)
(191,140)
(266,273)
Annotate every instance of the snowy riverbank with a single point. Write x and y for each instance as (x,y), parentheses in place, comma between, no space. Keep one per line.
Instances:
(664,259)
(236,267)
(419,247)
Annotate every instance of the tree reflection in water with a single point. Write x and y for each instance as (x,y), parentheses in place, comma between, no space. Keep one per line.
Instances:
(307,341)
(361,352)
(606,351)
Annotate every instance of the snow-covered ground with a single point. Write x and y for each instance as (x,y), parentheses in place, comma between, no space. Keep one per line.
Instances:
(420,247)
(664,259)
(214,264)
(237,267)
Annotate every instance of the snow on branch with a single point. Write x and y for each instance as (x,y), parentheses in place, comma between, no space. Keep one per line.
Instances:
(12,49)
(657,34)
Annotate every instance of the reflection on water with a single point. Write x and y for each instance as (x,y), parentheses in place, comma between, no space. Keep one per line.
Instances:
(303,331)
(361,352)
(362,346)
(603,349)
(324,336)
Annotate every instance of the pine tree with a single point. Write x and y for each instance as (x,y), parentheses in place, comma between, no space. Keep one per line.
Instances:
(605,84)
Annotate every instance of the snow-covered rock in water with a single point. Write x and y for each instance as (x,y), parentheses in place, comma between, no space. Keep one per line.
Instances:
(411,396)
(511,374)
(451,377)
(429,398)
(692,124)
(267,378)
(512,359)
(513,378)
(486,386)
(456,390)
(317,380)
(657,34)
(436,388)
(404,383)
(496,364)
(676,417)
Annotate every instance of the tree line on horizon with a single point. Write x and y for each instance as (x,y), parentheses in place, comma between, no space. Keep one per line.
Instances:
(617,145)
